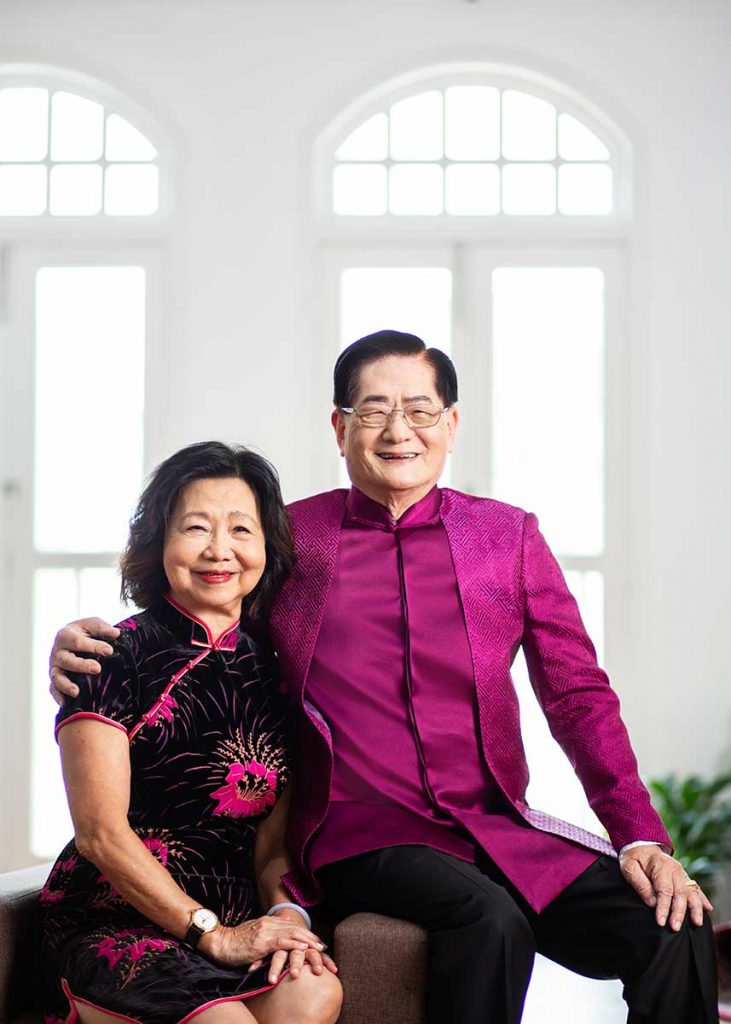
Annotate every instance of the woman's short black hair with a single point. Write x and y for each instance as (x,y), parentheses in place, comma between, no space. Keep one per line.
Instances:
(143,575)
(390,343)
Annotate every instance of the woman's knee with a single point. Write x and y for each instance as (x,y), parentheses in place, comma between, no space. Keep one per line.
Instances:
(308,999)
(321,996)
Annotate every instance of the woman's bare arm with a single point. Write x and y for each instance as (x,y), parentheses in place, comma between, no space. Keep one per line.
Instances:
(271,862)
(96,768)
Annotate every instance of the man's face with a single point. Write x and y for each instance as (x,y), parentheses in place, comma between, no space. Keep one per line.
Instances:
(395,461)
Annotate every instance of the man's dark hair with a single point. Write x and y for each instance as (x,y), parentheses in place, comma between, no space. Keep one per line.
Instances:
(143,575)
(390,343)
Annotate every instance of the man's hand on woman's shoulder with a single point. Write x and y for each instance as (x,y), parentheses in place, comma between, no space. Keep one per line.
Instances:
(83,637)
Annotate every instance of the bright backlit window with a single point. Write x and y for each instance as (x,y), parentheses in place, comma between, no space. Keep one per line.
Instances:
(69,156)
(472,150)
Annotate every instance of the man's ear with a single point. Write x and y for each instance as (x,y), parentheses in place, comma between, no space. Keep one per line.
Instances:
(338,422)
(452,415)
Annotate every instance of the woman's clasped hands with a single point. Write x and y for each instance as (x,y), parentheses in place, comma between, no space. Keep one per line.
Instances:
(283,935)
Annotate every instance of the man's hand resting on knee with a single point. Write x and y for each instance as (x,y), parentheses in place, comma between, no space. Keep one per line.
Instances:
(80,637)
(662,883)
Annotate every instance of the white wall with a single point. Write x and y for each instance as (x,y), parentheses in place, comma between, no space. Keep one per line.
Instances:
(243,87)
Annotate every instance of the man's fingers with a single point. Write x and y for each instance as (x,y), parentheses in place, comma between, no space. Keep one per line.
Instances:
(679,906)
(639,881)
(97,627)
(279,959)
(696,905)
(665,894)
(69,659)
(61,686)
(253,966)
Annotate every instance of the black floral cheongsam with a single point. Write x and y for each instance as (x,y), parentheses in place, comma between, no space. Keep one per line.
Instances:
(210,752)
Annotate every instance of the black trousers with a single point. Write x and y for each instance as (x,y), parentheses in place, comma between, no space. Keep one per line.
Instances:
(483,936)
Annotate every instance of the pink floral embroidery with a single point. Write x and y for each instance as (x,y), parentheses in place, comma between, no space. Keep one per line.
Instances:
(127,624)
(115,950)
(55,886)
(51,1018)
(158,848)
(240,798)
(162,709)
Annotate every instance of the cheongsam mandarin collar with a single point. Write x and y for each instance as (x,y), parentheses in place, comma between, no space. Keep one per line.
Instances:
(364,511)
(191,630)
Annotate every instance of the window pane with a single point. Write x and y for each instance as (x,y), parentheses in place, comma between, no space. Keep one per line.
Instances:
(55,599)
(59,595)
(417,127)
(472,189)
(529,127)
(529,189)
(22,190)
(472,122)
(125,142)
(577,142)
(416,189)
(585,189)
(417,300)
(90,336)
(360,190)
(588,589)
(554,786)
(77,127)
(368,142)
(23,124)
(131,190)
(548,444)
(76,189)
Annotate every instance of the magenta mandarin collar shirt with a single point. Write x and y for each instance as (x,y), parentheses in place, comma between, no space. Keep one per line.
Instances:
(392,677)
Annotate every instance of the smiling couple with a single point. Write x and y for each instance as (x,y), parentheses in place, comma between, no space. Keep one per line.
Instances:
(395,629)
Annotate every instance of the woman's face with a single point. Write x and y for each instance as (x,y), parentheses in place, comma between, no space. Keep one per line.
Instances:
(214,548)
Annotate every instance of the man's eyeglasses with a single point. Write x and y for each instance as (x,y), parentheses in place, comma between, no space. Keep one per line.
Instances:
(418,416)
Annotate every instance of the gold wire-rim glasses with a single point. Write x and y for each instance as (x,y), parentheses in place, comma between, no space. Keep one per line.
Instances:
(414,418)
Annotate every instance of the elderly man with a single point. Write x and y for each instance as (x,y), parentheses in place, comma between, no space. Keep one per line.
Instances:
(396,633)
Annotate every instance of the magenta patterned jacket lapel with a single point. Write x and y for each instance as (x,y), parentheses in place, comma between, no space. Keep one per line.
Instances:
(509,598)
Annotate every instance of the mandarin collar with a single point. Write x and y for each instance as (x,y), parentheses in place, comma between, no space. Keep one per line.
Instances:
(364,511)
(191,630)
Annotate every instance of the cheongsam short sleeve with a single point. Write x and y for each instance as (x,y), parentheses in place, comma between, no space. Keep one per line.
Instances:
(111,696)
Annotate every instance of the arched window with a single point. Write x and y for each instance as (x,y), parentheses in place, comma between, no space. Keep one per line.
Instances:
(67,152)
(84,195)
(481,143)
(480,206)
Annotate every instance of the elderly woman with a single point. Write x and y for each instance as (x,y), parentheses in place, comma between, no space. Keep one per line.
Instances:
(176,760)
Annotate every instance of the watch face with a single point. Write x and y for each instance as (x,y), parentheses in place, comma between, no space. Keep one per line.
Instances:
(204,919)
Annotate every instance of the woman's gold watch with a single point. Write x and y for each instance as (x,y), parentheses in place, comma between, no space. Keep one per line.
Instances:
(202,921)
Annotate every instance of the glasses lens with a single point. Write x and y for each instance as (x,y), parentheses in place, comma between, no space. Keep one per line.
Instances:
(423,417)
(374,419)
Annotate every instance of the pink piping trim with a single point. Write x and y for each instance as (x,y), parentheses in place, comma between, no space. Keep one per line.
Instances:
(161,699)
(189,615)
(233,999)
(102,1009)
(88,714)
(74,1014)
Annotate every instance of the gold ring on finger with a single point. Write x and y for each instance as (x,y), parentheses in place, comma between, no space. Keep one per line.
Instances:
(691,883)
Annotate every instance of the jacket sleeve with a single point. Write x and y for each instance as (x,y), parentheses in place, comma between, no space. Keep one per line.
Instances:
(580,706)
